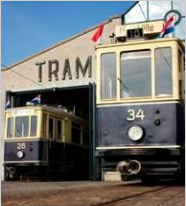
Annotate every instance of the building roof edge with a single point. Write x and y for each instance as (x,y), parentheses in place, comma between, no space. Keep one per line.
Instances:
(59,43)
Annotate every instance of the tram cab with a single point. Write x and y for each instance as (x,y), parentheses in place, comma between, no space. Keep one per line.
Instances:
(45,142)
(140,103)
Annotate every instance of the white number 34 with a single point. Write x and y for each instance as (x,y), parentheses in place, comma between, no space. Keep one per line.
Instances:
(132,114)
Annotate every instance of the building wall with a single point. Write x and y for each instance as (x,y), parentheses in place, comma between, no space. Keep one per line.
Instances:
(23,76)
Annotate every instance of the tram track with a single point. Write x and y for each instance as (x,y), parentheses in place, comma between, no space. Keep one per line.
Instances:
(91,194)
(111,202)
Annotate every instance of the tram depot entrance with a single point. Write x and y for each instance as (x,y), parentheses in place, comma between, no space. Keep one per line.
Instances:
(80,99)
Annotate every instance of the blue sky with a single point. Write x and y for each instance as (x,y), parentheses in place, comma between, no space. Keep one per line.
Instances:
(28,27)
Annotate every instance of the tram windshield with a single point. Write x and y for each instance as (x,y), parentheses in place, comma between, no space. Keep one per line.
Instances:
(21,126)
(143,73)
(135,74)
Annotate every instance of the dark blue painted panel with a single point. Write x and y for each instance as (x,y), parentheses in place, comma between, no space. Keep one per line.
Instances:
(33,150)
(113,124)
(53,152)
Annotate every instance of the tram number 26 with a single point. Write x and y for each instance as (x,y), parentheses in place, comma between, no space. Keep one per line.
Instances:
(21,145)
(132,114)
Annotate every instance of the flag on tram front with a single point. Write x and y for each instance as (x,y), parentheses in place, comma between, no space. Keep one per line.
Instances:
(167,28)
(98,35)
(36,100)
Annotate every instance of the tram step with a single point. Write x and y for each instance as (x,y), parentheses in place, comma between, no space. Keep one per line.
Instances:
(111,176)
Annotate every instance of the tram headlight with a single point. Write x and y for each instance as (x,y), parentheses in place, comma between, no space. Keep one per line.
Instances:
(20,154)
(135,133)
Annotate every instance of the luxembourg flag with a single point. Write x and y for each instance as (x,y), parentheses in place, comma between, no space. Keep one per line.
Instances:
(167,28)
(98,35)
(36,100)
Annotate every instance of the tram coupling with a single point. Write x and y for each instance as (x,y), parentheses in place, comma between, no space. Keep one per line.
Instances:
(132,167)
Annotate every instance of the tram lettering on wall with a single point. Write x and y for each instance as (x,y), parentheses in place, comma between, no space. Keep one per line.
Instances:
(58,72)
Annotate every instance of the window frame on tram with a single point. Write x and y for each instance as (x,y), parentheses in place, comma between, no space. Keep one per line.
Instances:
(33,125)
(166,84)
(51,127)
(118,49)
(59,129)
(125,89)
(10,127)
(13,132)
(44,119)
(108,76)
(181,67)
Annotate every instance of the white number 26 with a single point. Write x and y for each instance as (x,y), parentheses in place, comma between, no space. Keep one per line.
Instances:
(132,114)
(21,145)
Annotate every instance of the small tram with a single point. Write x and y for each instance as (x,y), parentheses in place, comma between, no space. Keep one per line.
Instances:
(141,107)
(44,141)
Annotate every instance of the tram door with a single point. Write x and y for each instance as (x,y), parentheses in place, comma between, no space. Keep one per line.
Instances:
(51,146)
(55,151)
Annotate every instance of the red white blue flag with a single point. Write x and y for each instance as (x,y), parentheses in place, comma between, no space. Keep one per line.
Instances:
(98,35)
(167,28)
(36,100)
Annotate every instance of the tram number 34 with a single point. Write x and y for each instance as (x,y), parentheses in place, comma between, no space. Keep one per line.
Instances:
(132,114)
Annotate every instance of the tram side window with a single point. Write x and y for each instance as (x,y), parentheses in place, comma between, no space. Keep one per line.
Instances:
(135,78)
(163,71)
(59,129)
(44,126)
(183,78)
(33,126)
(21,126)
(76,133)
(51,128)
(108,76)
(180,72)
(10,127)
(181,66)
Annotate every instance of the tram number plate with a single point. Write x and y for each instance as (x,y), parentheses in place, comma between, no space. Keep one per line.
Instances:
(133,115)
(135,33)
(21,145)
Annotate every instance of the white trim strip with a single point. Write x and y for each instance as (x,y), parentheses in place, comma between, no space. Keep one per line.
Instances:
(139,147)
(27,161)
(136,103)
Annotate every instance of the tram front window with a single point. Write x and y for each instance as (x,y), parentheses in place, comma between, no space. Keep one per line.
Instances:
(108,76)
(163,70)
(33,126)
(135,74)
(21,126)
(10,127)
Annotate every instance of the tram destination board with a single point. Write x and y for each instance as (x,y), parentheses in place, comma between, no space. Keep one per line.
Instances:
(135,33)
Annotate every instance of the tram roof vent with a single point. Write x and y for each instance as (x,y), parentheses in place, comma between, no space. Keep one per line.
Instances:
(147,30)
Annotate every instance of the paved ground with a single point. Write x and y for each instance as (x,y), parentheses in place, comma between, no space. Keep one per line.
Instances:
(90,193)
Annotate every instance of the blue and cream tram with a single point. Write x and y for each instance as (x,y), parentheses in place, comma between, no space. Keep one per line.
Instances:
(44,141)
(140,107)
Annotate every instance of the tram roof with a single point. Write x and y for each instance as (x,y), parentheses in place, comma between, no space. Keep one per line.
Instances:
(141,41)
(55,110)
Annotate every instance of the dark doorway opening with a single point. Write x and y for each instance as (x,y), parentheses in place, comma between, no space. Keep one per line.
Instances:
(72,98)
(79,99)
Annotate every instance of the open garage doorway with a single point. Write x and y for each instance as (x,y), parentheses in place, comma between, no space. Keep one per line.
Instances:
(79,100)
